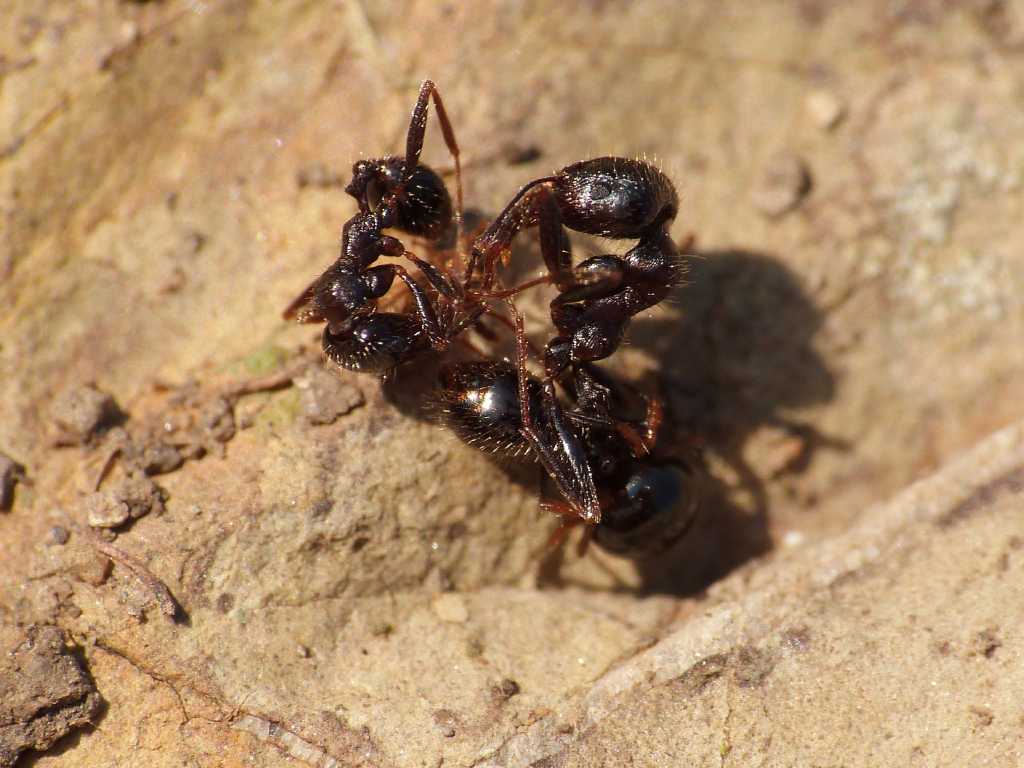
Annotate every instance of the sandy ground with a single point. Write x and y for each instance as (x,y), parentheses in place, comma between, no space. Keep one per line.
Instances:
(346,583)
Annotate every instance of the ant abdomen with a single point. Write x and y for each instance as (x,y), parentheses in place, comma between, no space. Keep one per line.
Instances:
(479,402)
(614,197)
(654,506)
(375,343)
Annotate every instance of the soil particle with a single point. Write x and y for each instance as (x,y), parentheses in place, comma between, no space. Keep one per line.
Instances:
(785,182)
(985,643)
(825,109)
(446,722)
(160,458)
(133,497)
(10,473)
(59,535)
(218,420)
(79,414)
(325,397)
(44,692)
(504,690)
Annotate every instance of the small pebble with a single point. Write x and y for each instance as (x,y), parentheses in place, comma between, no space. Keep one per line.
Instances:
(825,109)
(134,497)
(451,607)
(90,567)
(160,458)
(218,419)
(325,397)
(784,184)
(10,473)
(106,510)
(505,690)
(59,535)
(81,412)
(446,722)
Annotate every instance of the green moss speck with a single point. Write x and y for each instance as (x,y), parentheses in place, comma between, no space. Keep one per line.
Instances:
(265,360)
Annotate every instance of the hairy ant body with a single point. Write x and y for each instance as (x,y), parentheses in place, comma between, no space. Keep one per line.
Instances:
(608,196)
(637,504)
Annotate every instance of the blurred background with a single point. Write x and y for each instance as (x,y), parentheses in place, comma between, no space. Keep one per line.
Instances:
(171,176)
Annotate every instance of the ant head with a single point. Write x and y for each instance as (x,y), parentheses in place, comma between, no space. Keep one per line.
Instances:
(373,180)
(373,343)
(654,504)
(416,202)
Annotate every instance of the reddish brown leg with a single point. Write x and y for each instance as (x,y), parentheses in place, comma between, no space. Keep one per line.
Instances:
(507,292)
(642,441)
(496,241)
(521,356)
(512,327)
(644,437)
(570,519)
(471,347)
(414,145)
(638,446)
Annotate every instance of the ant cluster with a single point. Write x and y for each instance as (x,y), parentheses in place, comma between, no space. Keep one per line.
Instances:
(632,501)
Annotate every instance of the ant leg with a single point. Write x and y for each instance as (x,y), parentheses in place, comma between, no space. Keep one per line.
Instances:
(538,207)
(424,309)
(652,421)
(596,394)
(558,448)
(594,278)
(554,243)
(569,520)
(441,283)
(414,144)
(494,244)
(489,311)
(504,294)
(439,337)
(298,308)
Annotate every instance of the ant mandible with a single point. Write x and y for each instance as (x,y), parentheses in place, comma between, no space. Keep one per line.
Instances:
(612,197)
(392,193)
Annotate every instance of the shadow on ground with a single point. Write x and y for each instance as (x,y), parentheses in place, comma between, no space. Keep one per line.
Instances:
(740,357)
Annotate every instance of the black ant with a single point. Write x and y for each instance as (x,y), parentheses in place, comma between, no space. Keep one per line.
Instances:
(608,196)
(636,503)
(392,193)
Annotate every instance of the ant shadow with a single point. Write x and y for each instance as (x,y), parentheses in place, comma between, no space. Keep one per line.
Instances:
(739,358)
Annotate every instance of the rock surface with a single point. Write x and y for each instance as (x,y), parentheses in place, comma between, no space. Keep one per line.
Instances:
(351,585)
